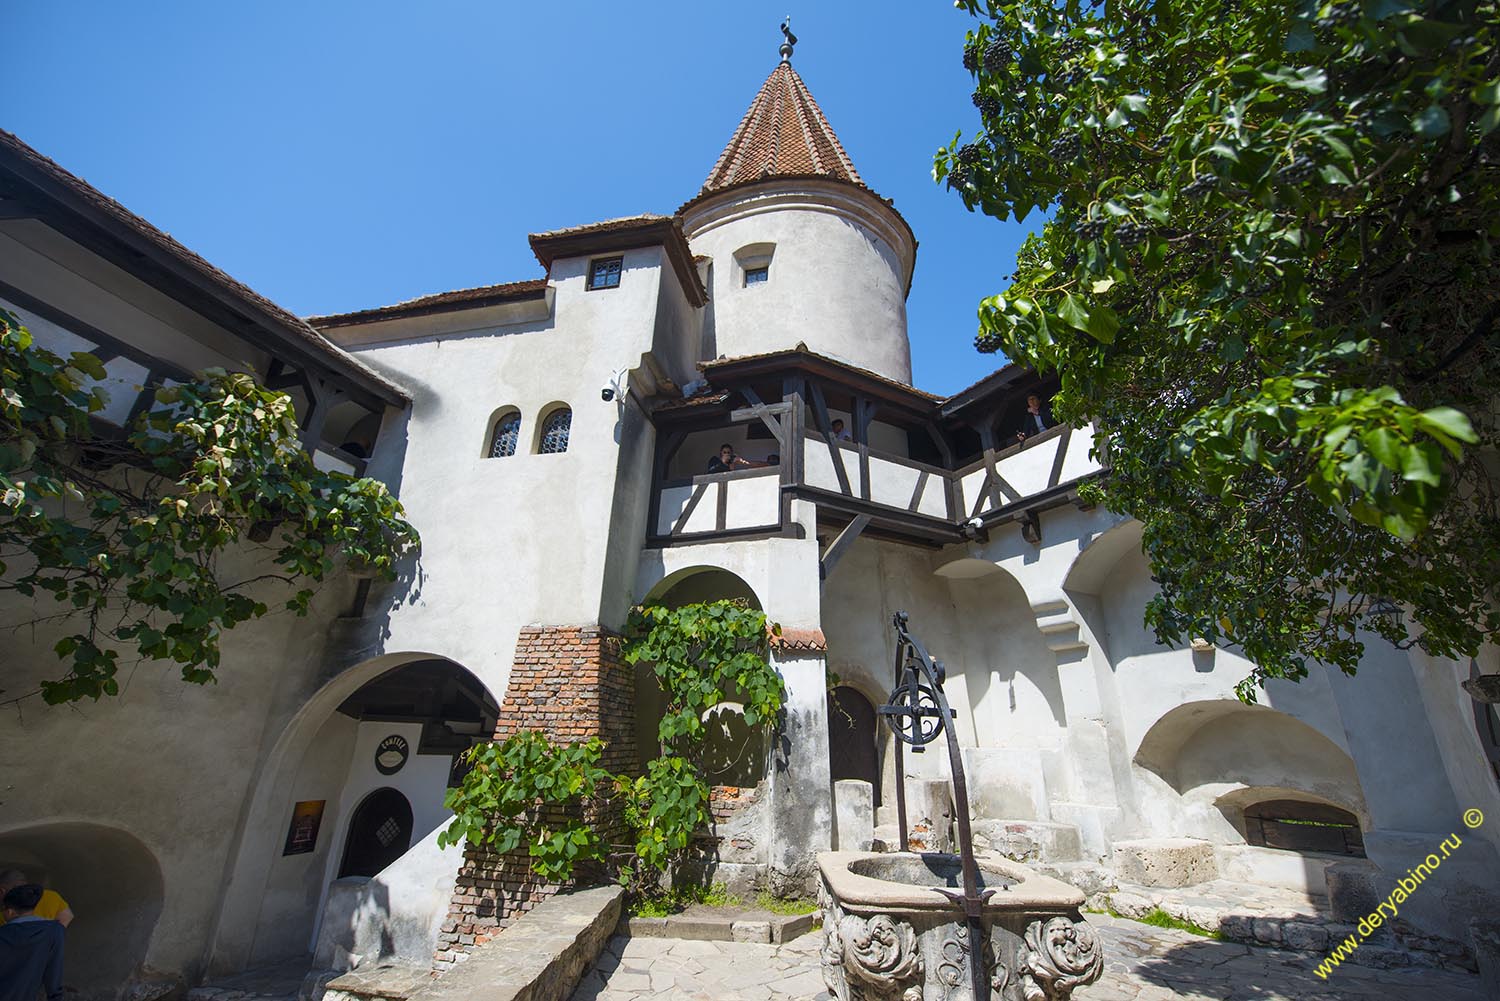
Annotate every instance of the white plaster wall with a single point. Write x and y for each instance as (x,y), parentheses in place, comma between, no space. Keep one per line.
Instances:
(838,277)
(294,883)
(782,572)
(180,760)
(423,780)
(521,539)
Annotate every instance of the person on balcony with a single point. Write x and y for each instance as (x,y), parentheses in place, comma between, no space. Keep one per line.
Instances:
(839,432)
(726,460)
(1036,419)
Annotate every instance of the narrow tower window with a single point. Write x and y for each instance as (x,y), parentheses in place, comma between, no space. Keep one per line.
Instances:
(757,276)
(555,431)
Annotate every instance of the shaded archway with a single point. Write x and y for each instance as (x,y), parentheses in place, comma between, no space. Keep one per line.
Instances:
(112,882)
(853,750)
(734,754)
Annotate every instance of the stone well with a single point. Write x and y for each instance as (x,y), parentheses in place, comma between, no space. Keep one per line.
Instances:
(890,935)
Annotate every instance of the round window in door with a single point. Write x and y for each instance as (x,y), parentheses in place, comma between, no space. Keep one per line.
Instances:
(379,833)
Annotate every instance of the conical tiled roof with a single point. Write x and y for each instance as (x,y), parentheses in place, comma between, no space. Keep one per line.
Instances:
(784,133)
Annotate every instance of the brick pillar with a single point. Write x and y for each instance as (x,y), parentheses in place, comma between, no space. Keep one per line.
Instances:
(569,683)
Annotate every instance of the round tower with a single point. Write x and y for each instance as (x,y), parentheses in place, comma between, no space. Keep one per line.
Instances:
(801,251)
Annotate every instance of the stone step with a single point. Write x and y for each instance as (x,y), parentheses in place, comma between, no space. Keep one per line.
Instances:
(919,837)
(1029,841)
(1097,881)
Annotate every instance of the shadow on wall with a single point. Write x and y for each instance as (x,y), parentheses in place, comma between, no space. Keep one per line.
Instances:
(1004,655)
(1223,741)
(113,884)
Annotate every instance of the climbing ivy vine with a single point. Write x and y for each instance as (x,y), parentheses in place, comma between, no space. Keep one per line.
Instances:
(530,791)
(128,534)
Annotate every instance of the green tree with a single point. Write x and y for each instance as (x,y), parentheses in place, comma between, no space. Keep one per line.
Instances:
(1268,275)
(128,531)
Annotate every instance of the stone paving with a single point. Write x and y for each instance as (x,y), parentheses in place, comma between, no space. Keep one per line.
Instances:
(1142,963)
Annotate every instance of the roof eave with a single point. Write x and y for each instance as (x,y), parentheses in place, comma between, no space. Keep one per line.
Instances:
(447,302)
(910,399)
(665,231)
(95,221)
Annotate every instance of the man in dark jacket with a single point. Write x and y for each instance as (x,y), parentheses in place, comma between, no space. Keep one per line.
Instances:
(1036,419)
(31,948)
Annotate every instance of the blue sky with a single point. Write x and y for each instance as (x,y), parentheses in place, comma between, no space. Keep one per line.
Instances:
(335,155)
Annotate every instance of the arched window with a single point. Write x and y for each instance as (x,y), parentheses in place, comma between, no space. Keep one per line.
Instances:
(555,431)
(507,432)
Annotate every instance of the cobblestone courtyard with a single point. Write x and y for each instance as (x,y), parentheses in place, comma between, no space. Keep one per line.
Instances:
(1142,964)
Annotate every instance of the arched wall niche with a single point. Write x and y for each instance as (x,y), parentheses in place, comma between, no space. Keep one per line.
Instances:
(271,903)
(1009,671)
(1234,755)
(112,882)
(854,738)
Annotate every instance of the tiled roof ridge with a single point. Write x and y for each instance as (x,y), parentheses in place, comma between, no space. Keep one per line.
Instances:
(804,351)
(435,299)
(603,225)
(775,139)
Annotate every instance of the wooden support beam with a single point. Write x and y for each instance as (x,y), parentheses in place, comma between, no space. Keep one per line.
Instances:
(864,412)
(940,443)
(689,508)
(90,332)
(841,544)
(1055,476)
(825,426)
(762,411)
(916,494)
(144,399)
(666,448)
(792,462)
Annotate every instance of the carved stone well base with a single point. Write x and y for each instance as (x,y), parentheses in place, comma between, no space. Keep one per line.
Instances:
(889,935)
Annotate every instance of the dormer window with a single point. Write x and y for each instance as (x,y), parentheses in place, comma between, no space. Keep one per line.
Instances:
(605,272)
(753,263)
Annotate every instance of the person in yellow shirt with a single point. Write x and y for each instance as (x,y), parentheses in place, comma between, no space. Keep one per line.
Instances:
(52,906)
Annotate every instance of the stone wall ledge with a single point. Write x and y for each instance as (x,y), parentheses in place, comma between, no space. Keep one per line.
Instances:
(541,957)
(740,927)
(1307,928)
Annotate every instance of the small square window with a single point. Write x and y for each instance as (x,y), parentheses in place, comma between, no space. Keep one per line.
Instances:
(757,276)
(605,272)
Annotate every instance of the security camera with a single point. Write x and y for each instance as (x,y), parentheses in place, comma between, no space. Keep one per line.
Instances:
(614,387)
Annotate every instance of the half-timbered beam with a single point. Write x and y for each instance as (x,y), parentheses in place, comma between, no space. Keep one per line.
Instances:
(841,544)
(825,426)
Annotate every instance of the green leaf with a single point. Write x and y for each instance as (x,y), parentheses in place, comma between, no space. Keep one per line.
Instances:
(1432,122)
(1072,312)
(1450,422)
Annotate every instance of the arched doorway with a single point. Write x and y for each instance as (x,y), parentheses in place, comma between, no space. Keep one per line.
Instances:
(399,721)
(379,833)
(852,749)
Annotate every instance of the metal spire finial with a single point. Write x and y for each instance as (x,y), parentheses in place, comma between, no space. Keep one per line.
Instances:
(791,39)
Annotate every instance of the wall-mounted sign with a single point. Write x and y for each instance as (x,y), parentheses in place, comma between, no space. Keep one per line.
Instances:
(302,833)
(390,754)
